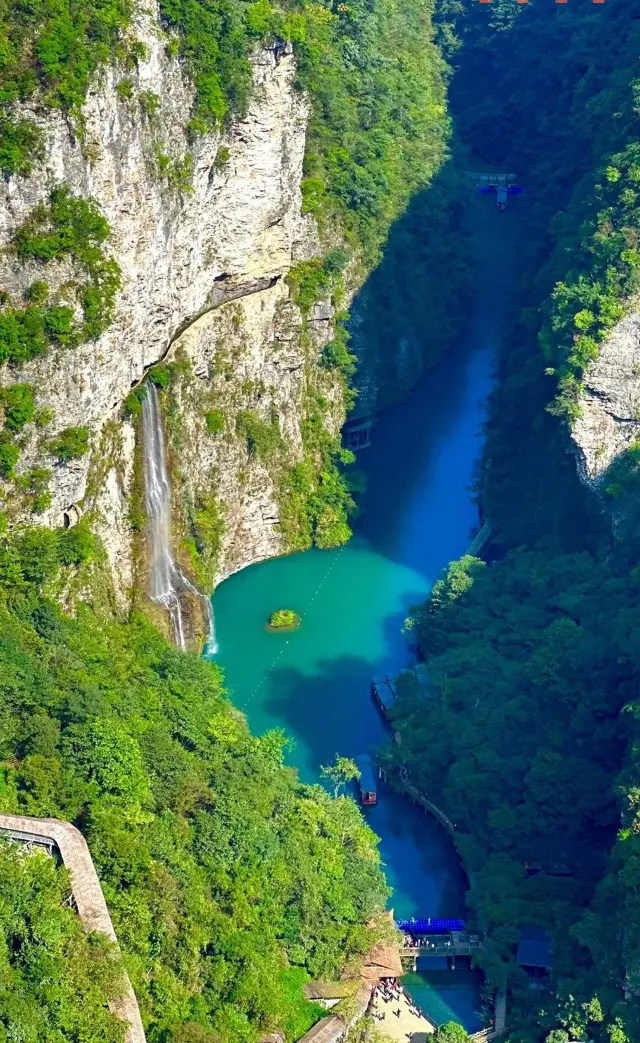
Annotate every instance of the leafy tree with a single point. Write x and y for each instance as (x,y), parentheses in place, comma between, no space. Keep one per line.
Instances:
(340,773)
(451,1032)
(207,847)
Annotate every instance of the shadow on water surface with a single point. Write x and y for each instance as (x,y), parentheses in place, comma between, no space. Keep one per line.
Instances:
(417,509)
(417,515)
(332,712)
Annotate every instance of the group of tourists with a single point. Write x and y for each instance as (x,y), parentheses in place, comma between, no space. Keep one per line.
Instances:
(391,991)
(418,941)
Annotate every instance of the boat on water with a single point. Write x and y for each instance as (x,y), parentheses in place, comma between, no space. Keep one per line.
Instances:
(367,780)
(384,695)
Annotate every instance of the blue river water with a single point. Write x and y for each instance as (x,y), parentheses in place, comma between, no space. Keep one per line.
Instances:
(417,515)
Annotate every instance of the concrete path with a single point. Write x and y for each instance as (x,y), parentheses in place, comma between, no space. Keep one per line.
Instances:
(87,893)
(408,1027)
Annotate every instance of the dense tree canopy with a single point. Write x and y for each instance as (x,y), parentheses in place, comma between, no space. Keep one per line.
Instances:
(229,882)
(528,734)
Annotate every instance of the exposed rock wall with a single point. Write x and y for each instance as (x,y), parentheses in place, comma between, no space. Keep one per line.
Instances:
(204,281)
(249,355)
(610,419)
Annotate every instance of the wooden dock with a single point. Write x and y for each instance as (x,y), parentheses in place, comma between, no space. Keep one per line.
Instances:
(357,433)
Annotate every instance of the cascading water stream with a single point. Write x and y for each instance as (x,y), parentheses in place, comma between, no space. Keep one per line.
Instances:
(166,579)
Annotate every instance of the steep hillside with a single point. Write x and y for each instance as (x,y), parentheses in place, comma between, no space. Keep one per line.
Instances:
(529,741)
(190,196)
(193,195)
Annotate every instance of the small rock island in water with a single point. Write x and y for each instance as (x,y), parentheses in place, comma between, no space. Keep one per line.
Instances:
(284,619)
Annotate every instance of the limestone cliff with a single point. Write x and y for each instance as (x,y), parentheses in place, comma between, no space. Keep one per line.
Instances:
(610,420)
(204,269)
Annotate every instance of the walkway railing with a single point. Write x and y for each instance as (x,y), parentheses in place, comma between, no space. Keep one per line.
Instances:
(87,894)
(480,540)
(417,798)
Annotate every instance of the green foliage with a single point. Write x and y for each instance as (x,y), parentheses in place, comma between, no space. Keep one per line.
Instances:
(160,375)
(89,36)
(451,1032)
(315,497)
(312,280)
(18,405)
(215,43)
(336,355)
(23,334)
(67,227)
(177,171)
(44,416)
(229,882)
(35,483)
(379,127)
(214,419)
(222,159)
(340,773)
(149,103)
(519,741)
(124,89)
(206,528)
(591,300)
(21,145)
(9,454)
(75,228)
(284,618)
(76,545)
(38,292)
(54,977)
(54,48)
(132,405)
(70,444)
(263,436)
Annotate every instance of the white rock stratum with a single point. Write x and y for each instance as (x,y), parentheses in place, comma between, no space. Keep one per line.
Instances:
(610,420)
(204,280)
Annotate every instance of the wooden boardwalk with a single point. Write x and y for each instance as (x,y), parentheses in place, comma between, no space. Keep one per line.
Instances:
(500,1019)
(87,893)
(480,540)
(417,798)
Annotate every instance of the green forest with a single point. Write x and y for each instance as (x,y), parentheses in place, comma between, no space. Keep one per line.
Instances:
(527,735)
(229,883)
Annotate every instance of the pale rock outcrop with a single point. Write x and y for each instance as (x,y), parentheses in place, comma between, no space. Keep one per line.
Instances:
(184,257)
(610,420)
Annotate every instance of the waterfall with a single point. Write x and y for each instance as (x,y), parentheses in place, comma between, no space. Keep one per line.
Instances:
(166,579)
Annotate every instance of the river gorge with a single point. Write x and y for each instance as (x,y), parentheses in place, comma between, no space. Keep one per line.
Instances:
(417,514)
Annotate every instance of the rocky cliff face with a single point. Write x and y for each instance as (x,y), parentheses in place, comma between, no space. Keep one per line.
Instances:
(203,282)
(610,420)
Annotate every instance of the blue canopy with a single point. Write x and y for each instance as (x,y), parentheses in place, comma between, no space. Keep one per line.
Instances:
(430,926)
(534,948)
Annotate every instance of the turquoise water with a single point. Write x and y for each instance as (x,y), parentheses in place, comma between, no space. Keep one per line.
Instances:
(417,515)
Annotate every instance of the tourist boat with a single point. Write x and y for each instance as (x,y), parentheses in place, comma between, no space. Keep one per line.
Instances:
(384,694)
(367,781)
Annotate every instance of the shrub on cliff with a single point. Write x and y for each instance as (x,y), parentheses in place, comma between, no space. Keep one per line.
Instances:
(18,404)
(70,444)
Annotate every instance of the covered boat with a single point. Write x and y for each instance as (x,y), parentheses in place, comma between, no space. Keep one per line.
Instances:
(367,780)
(384,694)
